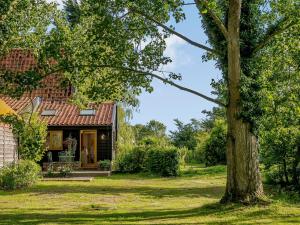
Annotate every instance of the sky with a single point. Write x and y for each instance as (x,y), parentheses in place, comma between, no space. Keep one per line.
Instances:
(167,103)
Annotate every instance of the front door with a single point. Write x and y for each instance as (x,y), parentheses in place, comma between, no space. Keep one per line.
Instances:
(88,148)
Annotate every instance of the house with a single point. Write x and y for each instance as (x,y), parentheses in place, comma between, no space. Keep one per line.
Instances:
(89,134)
(8,143)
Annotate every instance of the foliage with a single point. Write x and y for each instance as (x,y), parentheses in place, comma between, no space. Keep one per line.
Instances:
(154,141)
(152,129)
(132,161)
(126,137)
(156,159)
(19,175)
(163,161)
(279,131)
(104,164)
(199,152)
(215,146)
(24,25)
(31,133)
(65,170)
(185,135)
(50,170)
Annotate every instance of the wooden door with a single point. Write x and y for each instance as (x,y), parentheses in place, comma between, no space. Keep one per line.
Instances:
(88,148)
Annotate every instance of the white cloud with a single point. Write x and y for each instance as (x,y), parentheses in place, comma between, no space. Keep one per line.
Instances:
(175,50)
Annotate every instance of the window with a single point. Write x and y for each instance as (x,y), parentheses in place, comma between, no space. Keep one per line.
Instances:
(56,140)
(87,112)
(49,112)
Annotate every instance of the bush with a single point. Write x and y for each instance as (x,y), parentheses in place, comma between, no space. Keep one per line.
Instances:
(19,175)
(104,164)
(280,153)
(132,161)
(154,159)
(215,147)
(65,171)
(32,134)
(273,175)
(163,161)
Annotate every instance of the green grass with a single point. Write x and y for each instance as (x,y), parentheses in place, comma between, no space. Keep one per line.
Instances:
(139,199)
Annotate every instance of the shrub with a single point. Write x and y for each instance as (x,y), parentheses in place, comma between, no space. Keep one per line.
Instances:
(132,161)
(154,159)
(184,156)
(163,161)
(215,147)
(104,164)
(280,153)
(19,175)
(32,134)
(65,171)
(273,175)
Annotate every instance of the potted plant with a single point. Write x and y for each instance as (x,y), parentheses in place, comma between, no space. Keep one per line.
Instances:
(104,165)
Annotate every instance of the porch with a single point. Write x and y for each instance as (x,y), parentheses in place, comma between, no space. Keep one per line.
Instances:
(79,147)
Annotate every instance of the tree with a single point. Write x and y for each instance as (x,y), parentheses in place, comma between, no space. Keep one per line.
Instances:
(24,25)
(279,133)
(153,128)
(215,145)
(125,45)
(31,133)
(126,136)
(116,49)
(186,134)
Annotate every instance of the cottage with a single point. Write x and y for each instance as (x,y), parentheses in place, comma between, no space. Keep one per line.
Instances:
(85,136)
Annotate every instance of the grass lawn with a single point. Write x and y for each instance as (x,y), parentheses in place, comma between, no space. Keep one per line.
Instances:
(137,199)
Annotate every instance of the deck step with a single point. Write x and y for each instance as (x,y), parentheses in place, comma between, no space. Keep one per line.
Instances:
(86,173)
(83,179)
(91,173)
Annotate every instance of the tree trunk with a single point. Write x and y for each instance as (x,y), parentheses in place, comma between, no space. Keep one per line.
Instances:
(243,177)
(286,176)
(295,166)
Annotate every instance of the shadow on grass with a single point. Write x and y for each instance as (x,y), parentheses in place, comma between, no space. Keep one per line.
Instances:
(153,192)
(200,170)
(217,213)
(189,171)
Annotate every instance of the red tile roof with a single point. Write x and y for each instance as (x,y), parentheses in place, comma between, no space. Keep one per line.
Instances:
(68,114)
(22,60)
(17,104)
(53,96)
(18,60)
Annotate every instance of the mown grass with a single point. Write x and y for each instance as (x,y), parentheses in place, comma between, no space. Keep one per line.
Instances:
(192,198)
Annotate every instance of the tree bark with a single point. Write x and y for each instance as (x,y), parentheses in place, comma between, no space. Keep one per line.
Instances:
(243,177)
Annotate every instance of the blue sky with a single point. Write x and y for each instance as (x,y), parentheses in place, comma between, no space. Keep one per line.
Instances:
(167,103)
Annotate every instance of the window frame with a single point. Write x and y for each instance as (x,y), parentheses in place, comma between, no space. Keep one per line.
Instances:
(51,145)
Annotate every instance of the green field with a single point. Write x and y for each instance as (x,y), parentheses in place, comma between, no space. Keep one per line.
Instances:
(141,199)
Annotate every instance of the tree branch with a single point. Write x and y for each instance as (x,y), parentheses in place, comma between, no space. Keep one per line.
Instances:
(278,29)
(173,31)
(216,19)
(149,74)
(187,89)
